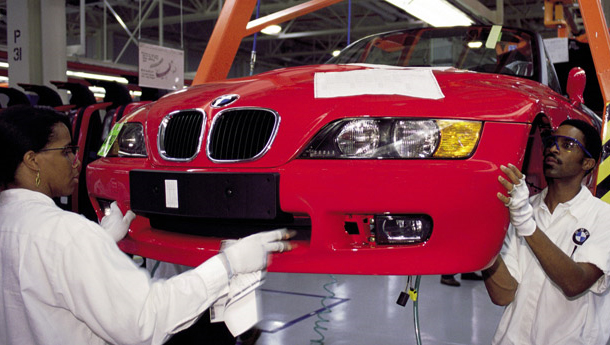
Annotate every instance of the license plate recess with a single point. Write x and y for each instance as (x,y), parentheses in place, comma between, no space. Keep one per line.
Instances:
(208,195)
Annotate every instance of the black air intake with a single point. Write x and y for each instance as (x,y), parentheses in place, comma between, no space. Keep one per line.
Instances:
(241,134)
(180,135)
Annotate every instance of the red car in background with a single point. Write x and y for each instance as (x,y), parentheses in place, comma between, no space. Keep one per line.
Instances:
(384,160)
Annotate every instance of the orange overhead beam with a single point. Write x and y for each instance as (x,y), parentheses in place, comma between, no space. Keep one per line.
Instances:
(555,17)
(232,26)
(224,42)
(287,14)
(553,14)
(599,42)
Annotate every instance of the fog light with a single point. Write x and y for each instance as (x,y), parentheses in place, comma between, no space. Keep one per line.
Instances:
(402,229)
(104,206)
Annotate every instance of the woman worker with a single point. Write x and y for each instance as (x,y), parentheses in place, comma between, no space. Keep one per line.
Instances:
(64,280)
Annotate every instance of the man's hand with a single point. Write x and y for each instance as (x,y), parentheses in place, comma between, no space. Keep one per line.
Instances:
(115,223)
(250,254)
(521,212)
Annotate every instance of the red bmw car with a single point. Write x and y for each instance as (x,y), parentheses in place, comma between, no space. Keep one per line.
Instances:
(384,160)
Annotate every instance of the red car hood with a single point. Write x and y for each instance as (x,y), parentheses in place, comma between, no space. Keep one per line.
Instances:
(290,92)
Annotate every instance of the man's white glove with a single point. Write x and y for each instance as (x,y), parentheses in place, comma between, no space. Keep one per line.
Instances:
(521,212)
(117,224)
(249,254)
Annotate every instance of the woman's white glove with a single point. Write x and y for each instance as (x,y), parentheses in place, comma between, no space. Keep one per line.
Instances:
(521,212)
(249,254)
(117,224)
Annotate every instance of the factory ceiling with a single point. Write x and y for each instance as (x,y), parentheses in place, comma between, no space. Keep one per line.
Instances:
(309,39)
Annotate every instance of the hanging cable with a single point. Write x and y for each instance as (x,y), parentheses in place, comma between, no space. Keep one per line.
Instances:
(181,28)
(416,311)
(253,54)
(349,21)
(411,291)
(154,269)
(318,328)
(139,20)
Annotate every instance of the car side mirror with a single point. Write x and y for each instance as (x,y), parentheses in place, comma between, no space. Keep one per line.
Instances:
(577,79)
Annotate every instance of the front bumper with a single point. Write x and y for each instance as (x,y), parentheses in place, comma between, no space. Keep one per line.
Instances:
(459,195)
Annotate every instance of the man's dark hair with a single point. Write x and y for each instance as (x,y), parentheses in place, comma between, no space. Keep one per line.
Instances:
(593,140)
(24,128)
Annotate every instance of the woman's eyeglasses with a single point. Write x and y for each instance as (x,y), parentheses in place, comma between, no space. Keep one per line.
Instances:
(66,151)
(563,143)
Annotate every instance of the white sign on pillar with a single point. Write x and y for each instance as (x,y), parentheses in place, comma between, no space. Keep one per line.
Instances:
(18,39)
(160,67)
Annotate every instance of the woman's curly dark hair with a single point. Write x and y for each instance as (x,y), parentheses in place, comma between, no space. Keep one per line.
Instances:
(24,128)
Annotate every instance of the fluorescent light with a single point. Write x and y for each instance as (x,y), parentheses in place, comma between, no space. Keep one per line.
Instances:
(97,91)
(434,12)
(272,30)
(86,75)
(100,92)
(475,44)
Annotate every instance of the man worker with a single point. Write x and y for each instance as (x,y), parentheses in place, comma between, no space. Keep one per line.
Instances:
(553,271)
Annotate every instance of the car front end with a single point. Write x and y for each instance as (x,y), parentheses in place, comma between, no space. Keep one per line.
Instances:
(373,180)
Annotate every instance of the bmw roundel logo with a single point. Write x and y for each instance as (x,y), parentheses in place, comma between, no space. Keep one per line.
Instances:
(580,236)
(224,100)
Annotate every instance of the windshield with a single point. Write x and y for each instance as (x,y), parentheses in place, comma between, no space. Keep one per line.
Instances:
(472,48)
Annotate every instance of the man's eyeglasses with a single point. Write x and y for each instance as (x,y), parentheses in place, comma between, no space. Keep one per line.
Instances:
(66,151)
(563,143)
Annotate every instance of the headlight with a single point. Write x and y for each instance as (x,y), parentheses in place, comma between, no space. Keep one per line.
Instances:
(358,138)
(125,140)
(384,138)
(415,139)
(131,140)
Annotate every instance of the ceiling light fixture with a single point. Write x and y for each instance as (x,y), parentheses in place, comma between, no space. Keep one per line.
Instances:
(434,12)
(272,30)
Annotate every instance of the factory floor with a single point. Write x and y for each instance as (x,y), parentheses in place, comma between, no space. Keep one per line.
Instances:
(363,311)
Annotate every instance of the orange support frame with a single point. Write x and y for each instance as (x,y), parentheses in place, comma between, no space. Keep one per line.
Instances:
(599,42)
(224,42)
(287,14)
(232,26)
(554,17)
